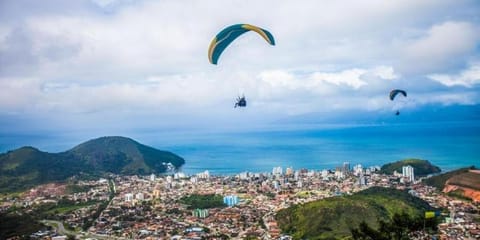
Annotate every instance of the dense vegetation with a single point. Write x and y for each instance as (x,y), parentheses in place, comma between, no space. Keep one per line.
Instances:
(17,224)
(398,228)
(203,201)
(334,217)
(26,167)
(421,167)
(74,188)
(440,180)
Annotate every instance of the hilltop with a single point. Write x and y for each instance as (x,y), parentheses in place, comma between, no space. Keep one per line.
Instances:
(332,218)
(439,181)
(464,182)
(421,167)
(27,166)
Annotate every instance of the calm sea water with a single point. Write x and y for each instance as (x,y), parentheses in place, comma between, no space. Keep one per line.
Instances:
(448,145)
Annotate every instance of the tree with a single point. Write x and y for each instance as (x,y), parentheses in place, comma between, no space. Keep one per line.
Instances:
(398,228)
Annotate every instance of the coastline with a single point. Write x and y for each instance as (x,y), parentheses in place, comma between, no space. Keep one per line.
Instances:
(449,145)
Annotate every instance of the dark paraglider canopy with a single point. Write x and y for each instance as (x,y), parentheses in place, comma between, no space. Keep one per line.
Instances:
(241,102)
(395,92)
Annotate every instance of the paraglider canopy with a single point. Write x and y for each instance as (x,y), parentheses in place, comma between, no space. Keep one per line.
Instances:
(395,92)
(241,102)
(229,34)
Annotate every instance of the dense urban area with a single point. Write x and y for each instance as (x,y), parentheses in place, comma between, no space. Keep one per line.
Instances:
(203,206)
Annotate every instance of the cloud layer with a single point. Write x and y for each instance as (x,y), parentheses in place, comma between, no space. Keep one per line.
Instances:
(149,59)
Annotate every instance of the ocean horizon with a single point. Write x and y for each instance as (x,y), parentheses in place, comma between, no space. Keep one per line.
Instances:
(449,145)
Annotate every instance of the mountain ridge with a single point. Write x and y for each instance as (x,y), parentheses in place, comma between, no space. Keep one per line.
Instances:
(28,166)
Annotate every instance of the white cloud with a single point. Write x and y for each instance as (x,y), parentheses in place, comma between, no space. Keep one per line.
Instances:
(149,37)
(4,32)
(322,91)
(278,78)
(104,3)
(122,55)
(467,78)
(385,72)
(352,78)
(441,47)
(19,95)
(349,77)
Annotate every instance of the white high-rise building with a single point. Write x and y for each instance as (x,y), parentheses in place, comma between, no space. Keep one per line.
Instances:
(276,185)
(243,175)
(193,179)
(357,170)
(407,171)
(152,177)
(339,174)
(296,175)
(128,197)
(277,171)
(324,173)
(179,175)
(139,196)
(362,181)
(204,175)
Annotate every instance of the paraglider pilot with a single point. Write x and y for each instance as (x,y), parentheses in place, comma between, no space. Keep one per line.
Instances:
(241,102)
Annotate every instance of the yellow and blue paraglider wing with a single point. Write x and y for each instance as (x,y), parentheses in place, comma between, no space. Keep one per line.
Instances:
(229,34)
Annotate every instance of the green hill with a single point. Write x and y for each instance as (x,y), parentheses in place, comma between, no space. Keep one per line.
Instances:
(439,181)
(421,167)
(27,166)
(124,155)
(333,218)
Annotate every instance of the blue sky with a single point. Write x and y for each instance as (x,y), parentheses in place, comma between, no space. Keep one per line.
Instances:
(109,65)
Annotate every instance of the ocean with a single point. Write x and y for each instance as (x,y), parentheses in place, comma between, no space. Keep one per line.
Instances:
(449,145)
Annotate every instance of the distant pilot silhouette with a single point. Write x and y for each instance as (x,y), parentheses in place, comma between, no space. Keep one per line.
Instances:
(241,102)
(397,113)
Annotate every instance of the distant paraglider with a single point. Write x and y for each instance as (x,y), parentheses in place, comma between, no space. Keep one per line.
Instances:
(394,93)
(241,102)
(229,34)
